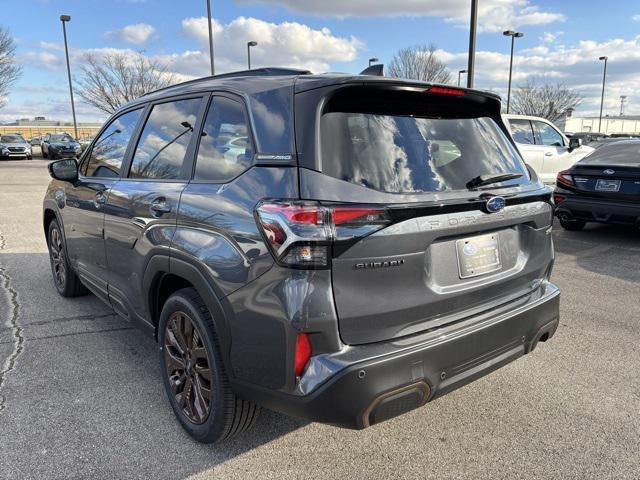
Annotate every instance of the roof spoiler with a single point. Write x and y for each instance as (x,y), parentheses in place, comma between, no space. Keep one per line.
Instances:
(376,70)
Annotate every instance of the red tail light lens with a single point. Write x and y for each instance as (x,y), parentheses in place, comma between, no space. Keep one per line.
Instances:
(300,234)
(303,353)
(557,199)
(565,178)
(455,92)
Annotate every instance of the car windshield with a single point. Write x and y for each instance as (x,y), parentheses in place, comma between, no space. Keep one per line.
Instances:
(401,154)
(11,139)
(61,138)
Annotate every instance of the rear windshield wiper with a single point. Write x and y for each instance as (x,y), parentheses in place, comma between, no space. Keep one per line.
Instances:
(482,180)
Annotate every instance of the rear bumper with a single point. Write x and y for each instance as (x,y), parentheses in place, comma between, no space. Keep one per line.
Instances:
(371,390)
(594,210)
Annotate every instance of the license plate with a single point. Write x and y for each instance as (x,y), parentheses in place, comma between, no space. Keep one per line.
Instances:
(603,185)
(478,255)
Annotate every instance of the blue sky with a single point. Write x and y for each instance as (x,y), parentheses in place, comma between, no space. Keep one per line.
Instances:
(561,44)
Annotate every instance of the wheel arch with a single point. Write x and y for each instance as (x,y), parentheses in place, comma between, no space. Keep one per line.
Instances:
(165,276)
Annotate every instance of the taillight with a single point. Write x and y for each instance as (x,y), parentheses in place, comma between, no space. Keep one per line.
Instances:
(557,199)
(303,353)
(565,178)
(300,234)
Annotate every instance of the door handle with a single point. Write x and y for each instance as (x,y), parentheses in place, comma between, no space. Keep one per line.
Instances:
(99,200)
(548,154)
(159,206)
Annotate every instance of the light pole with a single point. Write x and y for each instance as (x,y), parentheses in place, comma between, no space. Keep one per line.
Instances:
(604,79)
(371,60)
(460,72)
(473,24)
(249,45)
(513,35)
(64,19)
(213,71)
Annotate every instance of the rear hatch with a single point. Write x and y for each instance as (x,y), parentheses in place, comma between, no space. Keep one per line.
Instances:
(438,255)
(612,172)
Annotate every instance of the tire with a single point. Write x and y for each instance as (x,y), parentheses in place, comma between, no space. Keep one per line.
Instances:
(572,225)
(226,415)
(64,278)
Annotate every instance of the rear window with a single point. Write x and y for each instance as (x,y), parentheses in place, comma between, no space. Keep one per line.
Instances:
(402,153)
(618,153)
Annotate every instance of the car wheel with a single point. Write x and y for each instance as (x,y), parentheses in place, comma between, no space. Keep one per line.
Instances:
(572,225)
(64,278)
(193,373)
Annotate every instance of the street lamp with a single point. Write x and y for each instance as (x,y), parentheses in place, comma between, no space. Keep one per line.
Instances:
(460,72)
(604,78)
(249,45)
(64,19)
(513,35)
(213,71)
(372,60)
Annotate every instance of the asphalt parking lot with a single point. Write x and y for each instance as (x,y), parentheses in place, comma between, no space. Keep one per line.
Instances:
(80,392)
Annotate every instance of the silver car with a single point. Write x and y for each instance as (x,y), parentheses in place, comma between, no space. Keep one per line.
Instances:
(13,146)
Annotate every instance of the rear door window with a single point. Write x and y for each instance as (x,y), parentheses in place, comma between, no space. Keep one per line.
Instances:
(107,154)
(164,140)
(547,135)
(407,154)
(522,131)
(226,148)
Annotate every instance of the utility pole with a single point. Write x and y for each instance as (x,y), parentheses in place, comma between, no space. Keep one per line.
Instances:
(604,79)
(513,35)
(473,24)
(213,71)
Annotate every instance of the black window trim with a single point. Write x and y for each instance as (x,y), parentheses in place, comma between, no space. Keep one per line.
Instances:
(249,121)
(189,155)
(87,153)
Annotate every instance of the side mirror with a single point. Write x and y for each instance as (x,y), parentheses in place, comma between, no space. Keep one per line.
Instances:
(574,143)
(65,170)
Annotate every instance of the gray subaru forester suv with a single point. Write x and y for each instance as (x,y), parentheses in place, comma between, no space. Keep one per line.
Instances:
(343,248)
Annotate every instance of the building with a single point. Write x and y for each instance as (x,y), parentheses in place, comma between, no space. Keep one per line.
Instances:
(629,124)
(39,126)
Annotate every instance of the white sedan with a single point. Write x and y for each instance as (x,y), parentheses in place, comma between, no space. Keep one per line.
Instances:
(543,146)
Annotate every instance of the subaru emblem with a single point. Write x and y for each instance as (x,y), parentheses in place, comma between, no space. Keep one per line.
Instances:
(608,171)
(495,204)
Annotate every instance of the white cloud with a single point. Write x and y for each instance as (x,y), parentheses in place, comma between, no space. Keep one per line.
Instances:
(138,33)
(279,44)
(636,18)
(493,15)
(576,66)
(46,60)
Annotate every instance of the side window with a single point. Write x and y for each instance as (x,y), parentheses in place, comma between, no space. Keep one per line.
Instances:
(547,135)
(164,140)
(226,148)
(105,159)
(521,131)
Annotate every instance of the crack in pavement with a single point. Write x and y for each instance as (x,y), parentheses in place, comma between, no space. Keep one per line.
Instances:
(73,334)
(80,318)
(18,342)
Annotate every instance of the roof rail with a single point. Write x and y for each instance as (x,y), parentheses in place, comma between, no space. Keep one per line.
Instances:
(256,72)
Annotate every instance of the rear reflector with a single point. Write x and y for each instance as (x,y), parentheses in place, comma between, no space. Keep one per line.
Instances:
(557,199)
(456,92)
(303,353)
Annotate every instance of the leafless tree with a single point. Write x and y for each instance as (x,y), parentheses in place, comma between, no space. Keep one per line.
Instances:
(419,62)
(550,101)
(110,80)
(10,71)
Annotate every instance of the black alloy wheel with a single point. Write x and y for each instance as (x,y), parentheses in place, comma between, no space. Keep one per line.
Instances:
(188,367)
(64,278)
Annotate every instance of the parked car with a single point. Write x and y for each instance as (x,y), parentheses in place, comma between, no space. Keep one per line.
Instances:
(544,147)
(35,141)
(388,249)
(13,146)
(59,145)
(603,187)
